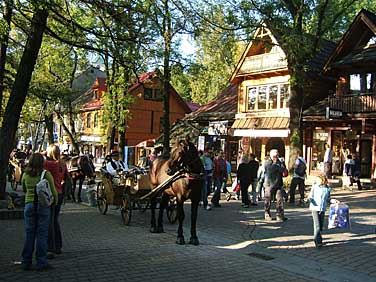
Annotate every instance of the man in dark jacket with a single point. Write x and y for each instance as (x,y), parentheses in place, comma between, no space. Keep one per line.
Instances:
(271,179)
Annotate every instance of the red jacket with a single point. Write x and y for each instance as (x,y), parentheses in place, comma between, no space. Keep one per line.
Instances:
(220,168)
(59,172)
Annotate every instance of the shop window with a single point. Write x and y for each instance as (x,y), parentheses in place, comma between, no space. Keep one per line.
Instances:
(320,138)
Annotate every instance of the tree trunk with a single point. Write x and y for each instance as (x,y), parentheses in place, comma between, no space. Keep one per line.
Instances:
(166,79)
(19,92)
(3,49)
(49,121)
(75,144)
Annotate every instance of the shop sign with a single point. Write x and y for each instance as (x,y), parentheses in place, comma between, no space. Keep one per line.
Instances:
(218,128)
(201,143)
(332,113)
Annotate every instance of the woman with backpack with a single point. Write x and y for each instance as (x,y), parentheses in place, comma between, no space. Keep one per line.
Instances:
(36,215)
(57,167)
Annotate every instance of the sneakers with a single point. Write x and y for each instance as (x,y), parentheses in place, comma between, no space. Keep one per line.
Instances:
(246,206)
(281,218)
(208,208)
(268,217)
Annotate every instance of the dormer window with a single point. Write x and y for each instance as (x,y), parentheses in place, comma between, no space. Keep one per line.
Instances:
(153,94)
(95,94)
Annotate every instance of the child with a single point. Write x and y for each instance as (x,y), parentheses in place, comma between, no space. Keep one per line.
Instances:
(318,198)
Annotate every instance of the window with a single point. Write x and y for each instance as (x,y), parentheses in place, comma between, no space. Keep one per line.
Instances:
(360,83)
(95,120)
(252,96)
(273,96)
(95,92)
(153,94)
(262,97)
(88,120)
(268,97)
(285,93)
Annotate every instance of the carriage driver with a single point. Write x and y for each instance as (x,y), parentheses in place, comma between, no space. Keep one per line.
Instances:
(114,165)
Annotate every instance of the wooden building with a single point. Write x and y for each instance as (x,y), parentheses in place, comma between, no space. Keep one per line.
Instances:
(146,114)
(346,119)
(262,75)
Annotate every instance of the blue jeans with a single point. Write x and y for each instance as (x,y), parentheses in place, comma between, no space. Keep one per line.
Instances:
(36,227)
(318,224)
(218,181)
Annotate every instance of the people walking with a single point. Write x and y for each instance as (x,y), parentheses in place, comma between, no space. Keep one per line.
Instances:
(57,167)
(204,190)
(328,160)
(36,216)
(298,178)
(243,177)
(357,171)
(318,198)
(253,170)
(208,170)
(220,175)
(271,180)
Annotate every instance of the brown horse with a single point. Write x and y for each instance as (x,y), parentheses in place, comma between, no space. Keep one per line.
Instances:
(184,157)
(80,167)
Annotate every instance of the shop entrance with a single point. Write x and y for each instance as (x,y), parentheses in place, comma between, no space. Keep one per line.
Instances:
(276,143)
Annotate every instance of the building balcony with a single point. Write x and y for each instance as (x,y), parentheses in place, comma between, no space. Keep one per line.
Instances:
(363,103)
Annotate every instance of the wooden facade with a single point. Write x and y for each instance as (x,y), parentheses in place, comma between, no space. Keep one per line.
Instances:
(263,117)
(346,119)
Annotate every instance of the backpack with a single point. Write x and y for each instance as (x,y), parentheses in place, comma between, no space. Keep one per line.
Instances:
(301,169)
(45,196)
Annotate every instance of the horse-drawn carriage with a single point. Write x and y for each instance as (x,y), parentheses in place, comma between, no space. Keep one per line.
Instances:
(17,164)
(129,190)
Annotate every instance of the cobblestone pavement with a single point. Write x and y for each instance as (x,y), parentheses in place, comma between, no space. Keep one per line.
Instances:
(236,245)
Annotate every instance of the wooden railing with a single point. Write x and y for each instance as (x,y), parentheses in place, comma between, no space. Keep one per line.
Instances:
(363,103)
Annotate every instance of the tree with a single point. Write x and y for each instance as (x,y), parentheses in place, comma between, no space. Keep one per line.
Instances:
(19,90)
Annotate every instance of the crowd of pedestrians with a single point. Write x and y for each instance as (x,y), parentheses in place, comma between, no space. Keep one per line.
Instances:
(257,181)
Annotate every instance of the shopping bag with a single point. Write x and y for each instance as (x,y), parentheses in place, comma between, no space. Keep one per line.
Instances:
(339,216)
(235,186)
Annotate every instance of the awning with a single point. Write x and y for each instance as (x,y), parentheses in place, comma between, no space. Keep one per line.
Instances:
(146,143)
(262,132)
(262,123)
(262,127)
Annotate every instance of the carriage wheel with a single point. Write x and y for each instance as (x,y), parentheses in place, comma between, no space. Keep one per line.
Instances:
(126,209)
(13,182)
(172,211)
(101,199)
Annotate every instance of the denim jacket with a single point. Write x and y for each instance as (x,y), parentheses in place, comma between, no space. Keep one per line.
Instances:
(319,197)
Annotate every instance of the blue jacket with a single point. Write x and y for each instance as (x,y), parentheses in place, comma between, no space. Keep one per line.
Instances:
(319,197)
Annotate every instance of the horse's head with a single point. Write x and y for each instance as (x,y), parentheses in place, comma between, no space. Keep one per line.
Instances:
(185,156)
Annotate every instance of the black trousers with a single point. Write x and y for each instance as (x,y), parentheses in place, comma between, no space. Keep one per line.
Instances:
(296,181)
(279,200)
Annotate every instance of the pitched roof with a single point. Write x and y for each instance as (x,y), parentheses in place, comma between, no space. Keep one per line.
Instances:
(361,30)
(223,107)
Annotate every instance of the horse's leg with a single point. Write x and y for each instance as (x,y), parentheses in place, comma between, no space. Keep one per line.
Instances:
(180,209)
(74,182)
(162,207)
(81,181)
(194,209)
(153,227)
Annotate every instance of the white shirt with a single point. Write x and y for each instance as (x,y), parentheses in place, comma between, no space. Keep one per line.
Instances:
(119,165)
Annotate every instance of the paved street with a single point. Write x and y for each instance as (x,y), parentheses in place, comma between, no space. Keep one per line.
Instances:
(236,245)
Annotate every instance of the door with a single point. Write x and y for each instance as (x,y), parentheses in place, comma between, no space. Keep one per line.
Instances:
(366,157)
